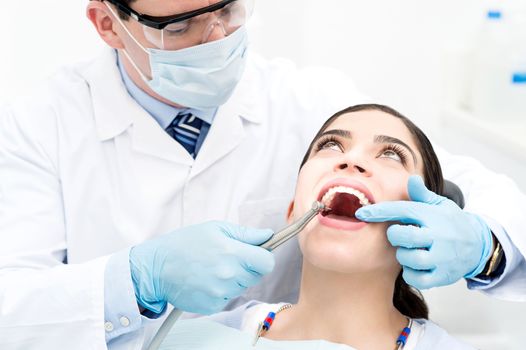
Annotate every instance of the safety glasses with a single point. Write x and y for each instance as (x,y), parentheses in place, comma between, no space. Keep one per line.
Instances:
(190,28)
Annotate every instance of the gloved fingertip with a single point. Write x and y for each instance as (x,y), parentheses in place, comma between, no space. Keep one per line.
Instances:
(253,236)
(416,179)
(363,213)
(393,239)
(410,280)
(267,233)
(418,192)
(415,185)
(259,236)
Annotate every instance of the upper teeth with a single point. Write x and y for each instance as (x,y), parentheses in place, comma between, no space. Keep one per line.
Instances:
(327,197)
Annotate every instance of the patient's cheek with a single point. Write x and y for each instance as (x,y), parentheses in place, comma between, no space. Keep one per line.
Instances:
(380,230)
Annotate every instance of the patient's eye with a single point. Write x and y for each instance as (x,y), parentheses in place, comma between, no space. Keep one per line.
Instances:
(394,152)
(328,143)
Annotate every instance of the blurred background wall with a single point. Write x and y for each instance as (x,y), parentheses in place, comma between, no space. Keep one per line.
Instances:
(403,53)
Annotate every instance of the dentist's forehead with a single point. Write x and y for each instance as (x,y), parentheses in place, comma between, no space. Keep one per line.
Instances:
(161,8)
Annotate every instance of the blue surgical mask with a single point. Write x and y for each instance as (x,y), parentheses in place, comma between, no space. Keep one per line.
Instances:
(200,77)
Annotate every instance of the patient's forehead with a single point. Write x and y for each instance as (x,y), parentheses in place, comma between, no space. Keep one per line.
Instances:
(364,124)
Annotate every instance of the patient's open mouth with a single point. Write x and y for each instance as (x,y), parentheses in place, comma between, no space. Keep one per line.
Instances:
(343,202)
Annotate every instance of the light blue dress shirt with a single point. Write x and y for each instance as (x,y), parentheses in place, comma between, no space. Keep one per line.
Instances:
(121,313)
(163,113)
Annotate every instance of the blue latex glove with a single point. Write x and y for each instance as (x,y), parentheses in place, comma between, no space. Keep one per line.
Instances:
(445,243)
(199,268)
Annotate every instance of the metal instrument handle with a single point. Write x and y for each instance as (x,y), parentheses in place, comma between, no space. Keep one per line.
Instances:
(293,229)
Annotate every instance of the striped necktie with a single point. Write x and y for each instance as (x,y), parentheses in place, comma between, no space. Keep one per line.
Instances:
(185,129)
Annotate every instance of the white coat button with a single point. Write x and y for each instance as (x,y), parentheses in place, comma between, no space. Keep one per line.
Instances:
(125,322)
(108,326)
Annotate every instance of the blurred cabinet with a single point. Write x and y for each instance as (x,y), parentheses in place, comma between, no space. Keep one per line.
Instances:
(509,137)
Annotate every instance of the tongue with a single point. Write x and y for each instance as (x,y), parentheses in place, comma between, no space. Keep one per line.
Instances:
(344,204)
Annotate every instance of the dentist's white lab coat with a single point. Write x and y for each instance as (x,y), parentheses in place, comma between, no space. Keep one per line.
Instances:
(85,172)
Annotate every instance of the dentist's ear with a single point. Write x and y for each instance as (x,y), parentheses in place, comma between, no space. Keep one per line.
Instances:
(290,210)
(104,23)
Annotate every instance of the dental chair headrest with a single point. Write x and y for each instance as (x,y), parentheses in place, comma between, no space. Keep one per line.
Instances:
(454,193)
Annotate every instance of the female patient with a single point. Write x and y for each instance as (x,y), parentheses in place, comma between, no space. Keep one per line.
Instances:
(352,294)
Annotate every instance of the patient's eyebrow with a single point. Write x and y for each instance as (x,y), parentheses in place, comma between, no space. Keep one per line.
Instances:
(390,139)
(377,139)
(337,132)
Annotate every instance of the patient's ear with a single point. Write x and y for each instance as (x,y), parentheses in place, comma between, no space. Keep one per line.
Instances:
(290,217)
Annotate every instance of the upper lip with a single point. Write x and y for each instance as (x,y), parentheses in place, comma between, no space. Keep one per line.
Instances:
(357,185)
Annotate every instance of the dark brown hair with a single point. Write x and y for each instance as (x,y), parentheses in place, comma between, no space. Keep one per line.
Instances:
(408,300)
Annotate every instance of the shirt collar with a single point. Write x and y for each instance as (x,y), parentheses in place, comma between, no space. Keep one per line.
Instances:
(163,113)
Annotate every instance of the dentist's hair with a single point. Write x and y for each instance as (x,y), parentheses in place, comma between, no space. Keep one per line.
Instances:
(408,300)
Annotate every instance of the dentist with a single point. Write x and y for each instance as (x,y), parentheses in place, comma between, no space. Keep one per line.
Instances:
(115,172)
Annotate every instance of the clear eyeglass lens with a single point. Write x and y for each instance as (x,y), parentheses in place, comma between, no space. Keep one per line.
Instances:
(197,30)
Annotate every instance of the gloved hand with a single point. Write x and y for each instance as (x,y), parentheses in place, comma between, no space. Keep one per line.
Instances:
(199,268)
(446,244)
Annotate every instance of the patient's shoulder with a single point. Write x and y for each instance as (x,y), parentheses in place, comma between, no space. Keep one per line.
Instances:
(435,337)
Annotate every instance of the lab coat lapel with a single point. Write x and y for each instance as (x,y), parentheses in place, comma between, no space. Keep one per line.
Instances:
(229,127)
(226,133)
(117,112)
(112,106)
(149,138)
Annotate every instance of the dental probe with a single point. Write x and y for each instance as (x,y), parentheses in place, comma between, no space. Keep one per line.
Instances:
(293,229)
(275,241)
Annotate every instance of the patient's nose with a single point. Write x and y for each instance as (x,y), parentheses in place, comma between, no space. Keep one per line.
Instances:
(352,167)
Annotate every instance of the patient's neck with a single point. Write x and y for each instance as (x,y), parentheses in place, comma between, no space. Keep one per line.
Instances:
(352,309)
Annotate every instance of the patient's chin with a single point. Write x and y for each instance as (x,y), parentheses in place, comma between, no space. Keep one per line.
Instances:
(350,253)
(331,255)
(330,263)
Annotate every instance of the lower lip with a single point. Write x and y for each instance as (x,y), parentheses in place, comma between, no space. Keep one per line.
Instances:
(341,223)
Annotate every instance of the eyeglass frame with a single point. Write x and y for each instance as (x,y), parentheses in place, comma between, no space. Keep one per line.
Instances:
(161,22)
